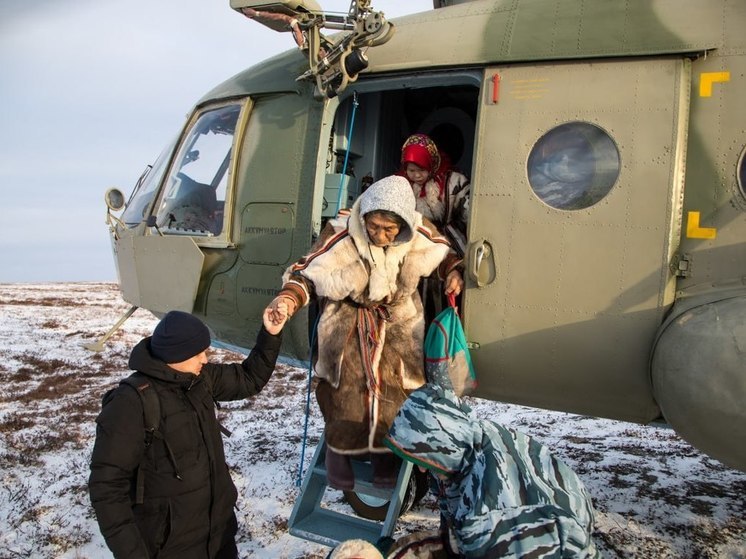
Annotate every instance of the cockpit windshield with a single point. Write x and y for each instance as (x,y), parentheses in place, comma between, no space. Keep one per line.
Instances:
(195,190)
(147,185)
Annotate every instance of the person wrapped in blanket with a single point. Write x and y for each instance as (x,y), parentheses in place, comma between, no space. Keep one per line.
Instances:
(500,492)
(364,270)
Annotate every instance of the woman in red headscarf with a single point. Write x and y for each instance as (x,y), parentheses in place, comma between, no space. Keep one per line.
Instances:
(441,193)
(442,196)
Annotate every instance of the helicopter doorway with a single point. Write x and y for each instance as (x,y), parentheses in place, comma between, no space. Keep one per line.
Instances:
(576,213)
(376,117)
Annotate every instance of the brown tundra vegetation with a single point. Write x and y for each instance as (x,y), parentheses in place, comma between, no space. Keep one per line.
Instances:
(655,496)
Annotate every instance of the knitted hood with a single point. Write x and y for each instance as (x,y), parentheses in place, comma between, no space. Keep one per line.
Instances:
(391,194)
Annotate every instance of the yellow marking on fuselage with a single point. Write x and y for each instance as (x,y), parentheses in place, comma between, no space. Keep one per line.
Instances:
(694,231)
(529,88)
(706,79)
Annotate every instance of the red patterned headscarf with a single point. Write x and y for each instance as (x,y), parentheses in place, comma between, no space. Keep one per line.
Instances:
(422,151)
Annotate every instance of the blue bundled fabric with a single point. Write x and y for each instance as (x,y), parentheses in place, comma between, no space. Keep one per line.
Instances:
(502,494)
(447,359)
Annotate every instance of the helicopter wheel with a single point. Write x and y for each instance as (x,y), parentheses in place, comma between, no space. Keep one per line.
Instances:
(374,508)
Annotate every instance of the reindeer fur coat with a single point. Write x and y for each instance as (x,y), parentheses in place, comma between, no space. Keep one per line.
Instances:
(371,327)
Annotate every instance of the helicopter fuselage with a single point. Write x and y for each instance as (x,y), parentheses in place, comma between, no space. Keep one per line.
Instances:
(606,266)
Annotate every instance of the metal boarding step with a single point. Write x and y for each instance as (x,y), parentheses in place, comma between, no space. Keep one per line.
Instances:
(321,525)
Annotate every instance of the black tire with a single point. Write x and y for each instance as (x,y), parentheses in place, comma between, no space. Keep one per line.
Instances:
(374,508)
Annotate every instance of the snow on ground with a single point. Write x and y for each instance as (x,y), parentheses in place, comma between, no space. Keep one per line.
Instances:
(655,496)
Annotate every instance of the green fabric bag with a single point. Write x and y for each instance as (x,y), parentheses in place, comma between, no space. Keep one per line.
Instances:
(447,359)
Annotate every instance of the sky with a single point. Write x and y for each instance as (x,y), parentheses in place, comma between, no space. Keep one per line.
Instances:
(90,93)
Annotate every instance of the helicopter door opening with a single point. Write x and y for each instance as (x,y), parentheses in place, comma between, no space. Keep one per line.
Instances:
(371,125)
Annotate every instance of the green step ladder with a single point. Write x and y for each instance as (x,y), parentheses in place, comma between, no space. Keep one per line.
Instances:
(321,525)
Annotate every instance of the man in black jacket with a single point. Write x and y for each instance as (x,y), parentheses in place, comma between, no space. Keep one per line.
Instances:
(186,492)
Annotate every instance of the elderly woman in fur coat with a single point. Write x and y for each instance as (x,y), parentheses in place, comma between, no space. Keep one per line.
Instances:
(364,270)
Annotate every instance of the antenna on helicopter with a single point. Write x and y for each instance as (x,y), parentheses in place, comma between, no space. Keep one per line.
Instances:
(333,64)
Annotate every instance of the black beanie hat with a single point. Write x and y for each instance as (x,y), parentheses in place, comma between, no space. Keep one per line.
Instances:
(178,337)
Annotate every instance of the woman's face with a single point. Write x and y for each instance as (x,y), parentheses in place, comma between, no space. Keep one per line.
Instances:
(416,174)
(381,230)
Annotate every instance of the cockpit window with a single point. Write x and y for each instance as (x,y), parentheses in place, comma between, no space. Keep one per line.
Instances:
(146,187)
(195,189)
(573,166)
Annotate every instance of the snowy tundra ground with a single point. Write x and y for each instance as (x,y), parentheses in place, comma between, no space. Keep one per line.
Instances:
(655,496)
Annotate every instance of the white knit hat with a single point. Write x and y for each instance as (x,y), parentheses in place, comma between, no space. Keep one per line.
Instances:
(393,194)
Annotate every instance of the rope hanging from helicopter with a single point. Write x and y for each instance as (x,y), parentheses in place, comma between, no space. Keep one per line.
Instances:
(347,151)
(304,440)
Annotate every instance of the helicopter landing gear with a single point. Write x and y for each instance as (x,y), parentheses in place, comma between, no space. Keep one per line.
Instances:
(99,345)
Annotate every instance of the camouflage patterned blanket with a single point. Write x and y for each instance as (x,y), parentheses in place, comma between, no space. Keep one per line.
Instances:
(501,493)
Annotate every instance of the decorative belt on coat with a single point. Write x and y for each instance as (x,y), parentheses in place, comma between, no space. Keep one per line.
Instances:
(369,323)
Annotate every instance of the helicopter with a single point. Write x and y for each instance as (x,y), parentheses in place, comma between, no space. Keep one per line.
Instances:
(605,267)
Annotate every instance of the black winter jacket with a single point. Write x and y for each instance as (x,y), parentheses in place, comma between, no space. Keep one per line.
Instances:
(191,517)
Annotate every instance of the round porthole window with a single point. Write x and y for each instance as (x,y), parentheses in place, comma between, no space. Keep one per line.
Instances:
(573,166)
(742,173)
